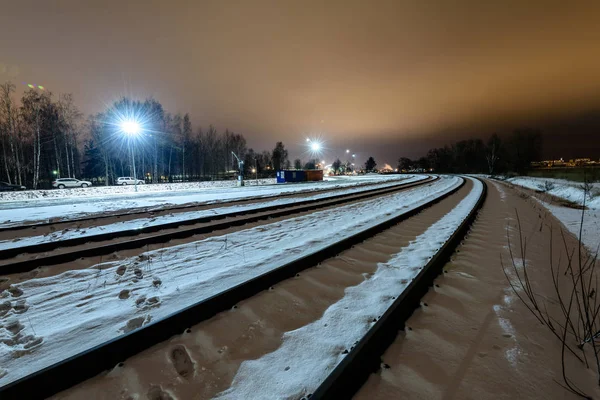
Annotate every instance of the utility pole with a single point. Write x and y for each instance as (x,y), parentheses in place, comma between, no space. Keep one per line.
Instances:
(241,168)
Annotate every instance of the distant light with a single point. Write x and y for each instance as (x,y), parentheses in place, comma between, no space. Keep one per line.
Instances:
(347,151)
(315,146)
(307,139)
(353,155)
(30,86)
(40,87)
(130,127)
(253,170)
(55,172)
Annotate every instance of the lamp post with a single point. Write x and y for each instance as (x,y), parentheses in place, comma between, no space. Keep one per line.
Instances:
(315,149)
(241,168)
(131,128)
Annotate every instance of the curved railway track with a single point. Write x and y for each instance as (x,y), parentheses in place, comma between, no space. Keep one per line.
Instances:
(23,259)
(345,379)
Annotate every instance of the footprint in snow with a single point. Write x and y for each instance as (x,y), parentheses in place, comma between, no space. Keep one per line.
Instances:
(15,291)
(13,335)
(182,362)
(20,306)
(157,393)
(135,323)
(4,308)
(147,303)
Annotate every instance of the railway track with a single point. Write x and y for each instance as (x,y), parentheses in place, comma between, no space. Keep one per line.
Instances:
(349,373)
(152,212)
(26,258)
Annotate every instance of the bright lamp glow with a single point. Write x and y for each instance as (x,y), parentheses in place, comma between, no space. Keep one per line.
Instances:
(314,146)
(130,127)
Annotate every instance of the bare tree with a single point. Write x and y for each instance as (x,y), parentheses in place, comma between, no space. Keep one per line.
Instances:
(70,119)
(493,149)
(186,136)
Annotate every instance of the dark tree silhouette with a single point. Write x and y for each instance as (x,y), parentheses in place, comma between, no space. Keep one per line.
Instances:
(312,164)
(404,164)
(336,166)
(494,148)
(280,156)
(370,164)
(525,146)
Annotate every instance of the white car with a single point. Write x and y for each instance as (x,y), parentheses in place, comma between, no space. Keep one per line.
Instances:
(127,180)
(62,183)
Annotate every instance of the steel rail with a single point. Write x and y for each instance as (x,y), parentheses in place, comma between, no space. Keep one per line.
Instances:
(365,357)
(89,363)
(247,216)
(178,208)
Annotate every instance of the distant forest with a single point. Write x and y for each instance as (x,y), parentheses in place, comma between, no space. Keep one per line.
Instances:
(514,153)
(44,138)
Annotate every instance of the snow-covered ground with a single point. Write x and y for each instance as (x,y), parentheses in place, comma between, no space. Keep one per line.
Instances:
(99,191)
(184,216)
(568,190)
(317,348)
(570,217)
(97,304)
(78,203)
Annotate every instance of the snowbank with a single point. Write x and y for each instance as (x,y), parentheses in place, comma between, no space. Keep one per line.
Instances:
(570,217)
(97,304)
(564,189)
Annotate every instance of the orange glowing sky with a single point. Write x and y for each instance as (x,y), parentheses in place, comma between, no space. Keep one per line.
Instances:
(383,77)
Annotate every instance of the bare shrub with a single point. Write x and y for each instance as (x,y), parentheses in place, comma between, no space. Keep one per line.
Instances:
(575,290)
(589,191)
(546,186)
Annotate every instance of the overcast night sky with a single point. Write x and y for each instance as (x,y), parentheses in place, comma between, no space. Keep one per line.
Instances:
(383,78)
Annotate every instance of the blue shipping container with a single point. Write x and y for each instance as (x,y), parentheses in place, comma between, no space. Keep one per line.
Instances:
(291,176)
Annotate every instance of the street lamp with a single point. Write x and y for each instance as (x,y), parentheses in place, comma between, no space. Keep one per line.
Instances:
(241,168)
(131,128)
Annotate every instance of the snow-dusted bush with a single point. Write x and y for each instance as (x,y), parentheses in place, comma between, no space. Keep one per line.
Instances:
(546,186)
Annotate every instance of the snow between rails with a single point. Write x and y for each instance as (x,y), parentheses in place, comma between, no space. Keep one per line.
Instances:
(310,353)
(45,320)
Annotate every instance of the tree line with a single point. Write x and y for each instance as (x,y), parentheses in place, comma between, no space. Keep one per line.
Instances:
(513,153)
(44,137)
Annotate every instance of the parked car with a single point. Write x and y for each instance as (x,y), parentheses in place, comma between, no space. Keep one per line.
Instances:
(62,183)
(127,180)
(7,187)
